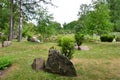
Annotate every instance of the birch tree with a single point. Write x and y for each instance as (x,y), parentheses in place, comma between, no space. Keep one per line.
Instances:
(20,24)
(29,9)
(11,21)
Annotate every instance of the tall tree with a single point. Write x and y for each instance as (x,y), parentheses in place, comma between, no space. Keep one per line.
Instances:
(115,13)
(44,23)
(85,9)
(97,19)
(56,27)
(70,27)
(20,24)
(29,8)
(11,21)
(4,16)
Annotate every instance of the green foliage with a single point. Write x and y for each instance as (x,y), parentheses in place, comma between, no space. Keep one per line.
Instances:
(70,27)
(4,14)
(118,38)
(44,26)
(59,40)
(115,13)
(52,47)
(53,39)
(91,38)
(28,29)
(61,37)
(56,27)
(40,37)
(94,64)
(84,9)
(29,37)
(117,26)
(5,62)
(3,38)
(79,38)
(107,38)
(97,19)
(67,47)
(79,28)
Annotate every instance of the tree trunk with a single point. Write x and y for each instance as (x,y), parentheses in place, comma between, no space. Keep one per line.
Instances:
(20,25)
(11,21)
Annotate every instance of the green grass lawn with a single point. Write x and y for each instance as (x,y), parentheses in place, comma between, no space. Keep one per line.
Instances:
(101,62)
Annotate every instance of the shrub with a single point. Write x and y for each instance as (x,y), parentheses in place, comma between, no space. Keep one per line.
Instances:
(59,40)
(5,62)
(29,37)
(40,37)
(117,38)
(79,38)
(107,38)
(67,47)
(89,38)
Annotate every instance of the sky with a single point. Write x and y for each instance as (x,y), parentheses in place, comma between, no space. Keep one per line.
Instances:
(67,10)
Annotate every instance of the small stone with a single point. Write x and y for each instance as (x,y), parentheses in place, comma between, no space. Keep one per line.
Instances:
(84,48)
(38,64)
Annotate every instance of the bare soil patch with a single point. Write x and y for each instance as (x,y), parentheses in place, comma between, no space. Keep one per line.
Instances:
(4,72)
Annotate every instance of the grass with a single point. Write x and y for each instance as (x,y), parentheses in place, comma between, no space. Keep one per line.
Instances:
(5,62)
(101,62)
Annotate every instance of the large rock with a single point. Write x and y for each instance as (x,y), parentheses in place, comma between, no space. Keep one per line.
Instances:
(7,43)
(38,64)
(34,39)
(59,64)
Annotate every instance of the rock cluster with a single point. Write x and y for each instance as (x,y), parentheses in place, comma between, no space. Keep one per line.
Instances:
(56,63)
(34,39)
(5,44)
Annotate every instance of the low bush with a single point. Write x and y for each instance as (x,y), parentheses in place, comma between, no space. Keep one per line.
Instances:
(67,47)
(107,38)
(79,38)
(117,38)
(5,62)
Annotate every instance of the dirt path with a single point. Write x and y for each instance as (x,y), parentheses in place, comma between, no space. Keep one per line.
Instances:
(3,73)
